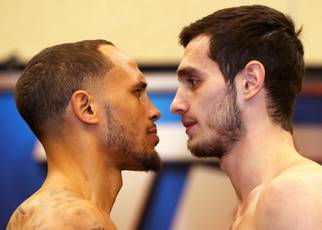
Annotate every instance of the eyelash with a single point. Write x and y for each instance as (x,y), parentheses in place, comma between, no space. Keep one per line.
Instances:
(192,83)
(138,92)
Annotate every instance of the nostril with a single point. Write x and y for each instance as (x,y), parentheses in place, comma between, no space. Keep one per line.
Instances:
(156,116)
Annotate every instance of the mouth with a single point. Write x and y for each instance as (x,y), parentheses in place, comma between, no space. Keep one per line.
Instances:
(152,132)
(188,124)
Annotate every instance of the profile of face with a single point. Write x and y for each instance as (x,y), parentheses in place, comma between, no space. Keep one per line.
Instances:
(129,128)
(206,103)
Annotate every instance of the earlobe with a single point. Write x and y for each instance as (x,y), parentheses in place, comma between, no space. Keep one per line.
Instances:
(254,77)
(83,107)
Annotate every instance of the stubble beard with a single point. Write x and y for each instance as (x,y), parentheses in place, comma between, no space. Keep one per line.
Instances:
(123,141)
(225,122)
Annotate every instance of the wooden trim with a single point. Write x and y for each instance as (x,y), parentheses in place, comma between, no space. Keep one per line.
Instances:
(312,89)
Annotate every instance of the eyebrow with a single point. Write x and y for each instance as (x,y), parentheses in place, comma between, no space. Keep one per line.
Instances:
(141,85)
(189,72)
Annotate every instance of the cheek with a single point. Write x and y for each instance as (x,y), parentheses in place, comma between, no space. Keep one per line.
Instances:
(132,114)
(137,119)
(203,102)
(209,106)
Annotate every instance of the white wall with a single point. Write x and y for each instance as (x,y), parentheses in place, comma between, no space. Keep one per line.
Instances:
(146,30)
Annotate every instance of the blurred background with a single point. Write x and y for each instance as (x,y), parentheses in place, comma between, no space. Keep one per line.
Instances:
(188,193)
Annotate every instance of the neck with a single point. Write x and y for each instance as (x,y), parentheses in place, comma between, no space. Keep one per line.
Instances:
(85,171)
(262,154)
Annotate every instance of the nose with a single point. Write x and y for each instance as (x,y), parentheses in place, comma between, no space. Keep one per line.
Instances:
(179,105)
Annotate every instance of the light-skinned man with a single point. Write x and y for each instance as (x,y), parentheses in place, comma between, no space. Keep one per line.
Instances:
(238,81)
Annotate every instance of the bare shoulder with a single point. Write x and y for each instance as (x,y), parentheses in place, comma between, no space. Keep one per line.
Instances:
(57,209)
(292,200)
(83,215)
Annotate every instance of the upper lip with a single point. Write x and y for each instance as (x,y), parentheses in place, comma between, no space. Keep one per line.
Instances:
(153,129)
(188,122)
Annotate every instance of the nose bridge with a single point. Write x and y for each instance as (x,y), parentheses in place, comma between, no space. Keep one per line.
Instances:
(179,104)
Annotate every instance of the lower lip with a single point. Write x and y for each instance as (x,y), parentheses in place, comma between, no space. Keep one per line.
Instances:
(188,129)
(155,136)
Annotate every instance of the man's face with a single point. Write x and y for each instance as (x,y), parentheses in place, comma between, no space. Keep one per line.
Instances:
(206,103)
(130,131)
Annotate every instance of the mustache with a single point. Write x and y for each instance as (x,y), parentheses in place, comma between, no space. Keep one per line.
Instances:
(152,129)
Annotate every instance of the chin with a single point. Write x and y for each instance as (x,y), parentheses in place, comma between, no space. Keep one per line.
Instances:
(143,161)
(155,167)
(205,148)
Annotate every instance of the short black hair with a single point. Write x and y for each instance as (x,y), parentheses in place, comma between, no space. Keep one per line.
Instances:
(241,34)
(46,85)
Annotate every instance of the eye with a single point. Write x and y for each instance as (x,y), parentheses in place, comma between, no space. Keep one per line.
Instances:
(138,92)
(191,82)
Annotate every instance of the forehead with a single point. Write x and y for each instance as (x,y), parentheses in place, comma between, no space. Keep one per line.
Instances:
(196,57)
(197,49)
(125,68)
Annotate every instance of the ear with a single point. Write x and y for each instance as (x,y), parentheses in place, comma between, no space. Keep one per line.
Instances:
(253,79)
(83,107)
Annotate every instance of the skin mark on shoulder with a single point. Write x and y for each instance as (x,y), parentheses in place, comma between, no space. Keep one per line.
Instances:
(80,212)
(58,205)
(95,225)
(18,218)
(62,198)
(21,211)
(20,214)
(41,224)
